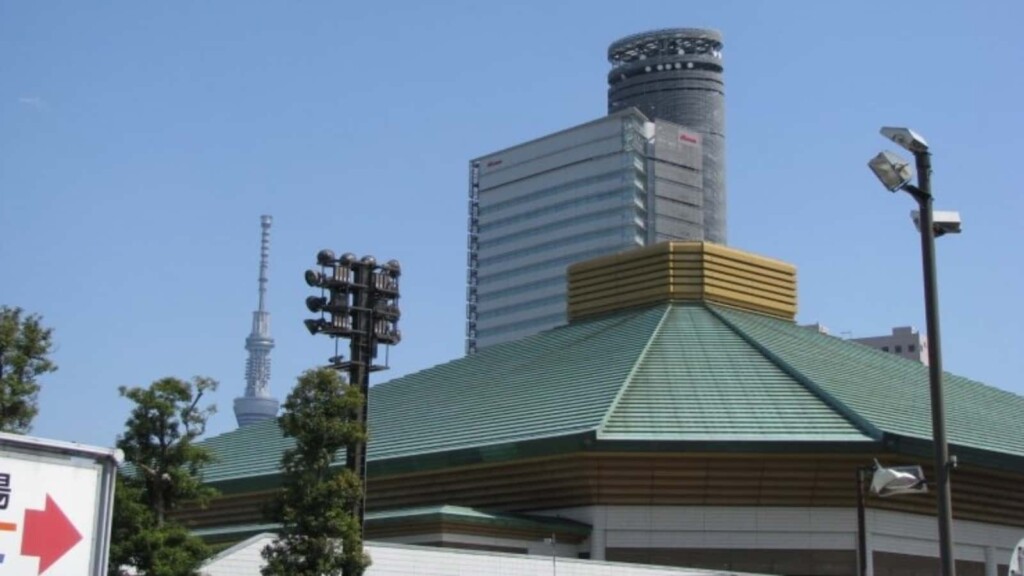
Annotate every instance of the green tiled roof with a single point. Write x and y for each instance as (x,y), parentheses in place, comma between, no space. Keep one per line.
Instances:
(679,372)
(701,381)
(557,383)
(890,392)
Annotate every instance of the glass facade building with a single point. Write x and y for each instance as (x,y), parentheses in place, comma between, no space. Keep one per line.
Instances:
(602,187)
(676,75)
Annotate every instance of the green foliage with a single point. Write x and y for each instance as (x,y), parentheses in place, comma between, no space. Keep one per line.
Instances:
(24,355)
(320,535)
(164,463)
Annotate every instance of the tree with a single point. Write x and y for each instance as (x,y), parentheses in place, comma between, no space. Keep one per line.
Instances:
(159,445)
(320,534)
(24,355)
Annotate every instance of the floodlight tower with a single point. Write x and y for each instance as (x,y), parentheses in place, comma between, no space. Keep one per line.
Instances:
(257,405)
(358,302)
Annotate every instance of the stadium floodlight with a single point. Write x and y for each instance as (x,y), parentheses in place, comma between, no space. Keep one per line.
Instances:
(358,301)
(892,171)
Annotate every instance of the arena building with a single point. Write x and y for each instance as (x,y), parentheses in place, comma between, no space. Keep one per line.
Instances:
(680,418)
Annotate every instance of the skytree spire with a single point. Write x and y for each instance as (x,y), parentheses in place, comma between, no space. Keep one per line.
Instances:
(257,404)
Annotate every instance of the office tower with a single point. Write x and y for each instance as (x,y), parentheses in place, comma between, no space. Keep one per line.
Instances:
(676,75)
(257,404)
(652,170)
(602,187)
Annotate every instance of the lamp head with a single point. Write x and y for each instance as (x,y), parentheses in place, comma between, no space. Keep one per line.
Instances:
(898,480)
(906,138)
(314,278)
(325,257)
(314,326)
(891,170)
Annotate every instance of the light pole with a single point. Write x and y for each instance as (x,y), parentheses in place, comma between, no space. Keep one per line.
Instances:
(895,174)
(358,301)
(884,482)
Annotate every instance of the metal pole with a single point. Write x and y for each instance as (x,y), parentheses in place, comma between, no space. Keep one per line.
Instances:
(862,540)
(361,357)
(931,299)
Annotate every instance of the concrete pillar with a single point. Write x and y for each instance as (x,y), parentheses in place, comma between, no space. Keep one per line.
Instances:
(869,541)
(598,533)
(991,561)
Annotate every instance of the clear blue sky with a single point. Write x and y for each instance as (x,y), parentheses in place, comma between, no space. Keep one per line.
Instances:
(140,142)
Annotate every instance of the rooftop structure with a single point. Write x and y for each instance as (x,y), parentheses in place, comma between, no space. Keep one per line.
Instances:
(257,404)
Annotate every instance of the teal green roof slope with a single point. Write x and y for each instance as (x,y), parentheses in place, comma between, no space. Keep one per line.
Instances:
(254,450)
(684,373)
(557,383)
(890,392)
(699,380)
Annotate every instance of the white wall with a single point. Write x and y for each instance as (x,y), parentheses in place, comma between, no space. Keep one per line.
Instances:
(402,560)
(785,528)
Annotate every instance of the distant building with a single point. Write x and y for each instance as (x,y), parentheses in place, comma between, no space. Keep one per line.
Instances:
(904,341)
(652,170)
(675,74)
(616,183)
(257,404)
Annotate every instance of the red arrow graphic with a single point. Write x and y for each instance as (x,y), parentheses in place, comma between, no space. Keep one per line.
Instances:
(48,534)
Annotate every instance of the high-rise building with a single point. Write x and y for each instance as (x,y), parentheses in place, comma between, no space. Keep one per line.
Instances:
(636,177)
(602,187)
(676,75)
(257,404)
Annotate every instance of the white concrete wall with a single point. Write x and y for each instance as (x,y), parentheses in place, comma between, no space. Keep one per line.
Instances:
(668,527)
(402,560)
(785,528)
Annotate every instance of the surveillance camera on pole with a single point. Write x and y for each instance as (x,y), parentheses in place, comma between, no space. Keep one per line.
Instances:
(943,222)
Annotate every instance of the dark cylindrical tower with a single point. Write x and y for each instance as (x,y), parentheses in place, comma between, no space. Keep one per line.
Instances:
(676,75)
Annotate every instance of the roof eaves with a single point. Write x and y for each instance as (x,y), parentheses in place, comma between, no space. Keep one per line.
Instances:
(968,455)
(832,402)
(632,371)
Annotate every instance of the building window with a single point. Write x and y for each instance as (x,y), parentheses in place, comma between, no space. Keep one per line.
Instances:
(910,348)
(899,349)
(885,348)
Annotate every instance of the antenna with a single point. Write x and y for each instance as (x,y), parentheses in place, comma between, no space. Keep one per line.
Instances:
(265,222)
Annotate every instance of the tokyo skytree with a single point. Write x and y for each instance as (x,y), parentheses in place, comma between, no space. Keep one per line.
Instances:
(257,404)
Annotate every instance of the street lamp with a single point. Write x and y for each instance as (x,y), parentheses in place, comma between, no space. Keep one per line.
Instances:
(895,174)
(885,482)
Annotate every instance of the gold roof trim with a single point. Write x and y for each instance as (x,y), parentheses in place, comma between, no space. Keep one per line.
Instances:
(682,272)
